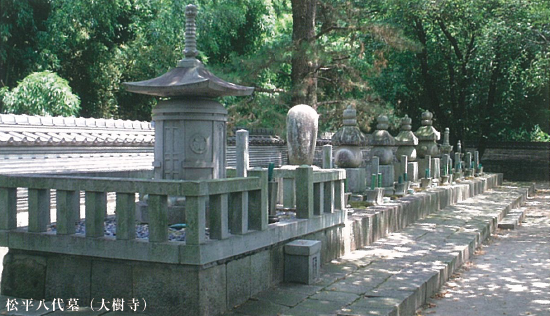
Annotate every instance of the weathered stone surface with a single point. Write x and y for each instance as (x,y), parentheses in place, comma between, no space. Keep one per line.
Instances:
(356,179)
(24,275)
(238,281)
(382,141)
(260,266)
(427,136)
(69,276)
(302,125)
(446,147)
(349,140)
(167,288)
(302,261)
(406,140)
(212,290)
(111,279)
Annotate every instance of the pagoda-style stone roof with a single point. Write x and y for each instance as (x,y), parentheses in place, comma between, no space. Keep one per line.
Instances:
(349,134)
(427,131)
(193,80)
(406,137)
(381,137)
(189,78)
(23,130)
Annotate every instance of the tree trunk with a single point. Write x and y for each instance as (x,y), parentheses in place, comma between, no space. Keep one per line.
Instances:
(429,84)
(304,57)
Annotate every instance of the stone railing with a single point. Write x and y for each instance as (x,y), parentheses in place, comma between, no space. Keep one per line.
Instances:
(233,212)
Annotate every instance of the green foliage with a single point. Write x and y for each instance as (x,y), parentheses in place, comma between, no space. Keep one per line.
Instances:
(482,67)
(42,93)
(538,135)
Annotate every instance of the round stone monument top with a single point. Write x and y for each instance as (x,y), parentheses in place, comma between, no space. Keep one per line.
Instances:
(427,117)
(350,116)
(406,123)
(383,122)
(349,134)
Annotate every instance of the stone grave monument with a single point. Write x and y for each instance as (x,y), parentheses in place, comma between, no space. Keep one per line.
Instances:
(349,140)
(459,164)
(446,149)
(427,145)
(406,142)
(382,143)
(190,125)
(301,135)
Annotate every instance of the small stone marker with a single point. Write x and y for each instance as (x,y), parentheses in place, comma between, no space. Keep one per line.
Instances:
(327,156)
(242,153)
(302,261)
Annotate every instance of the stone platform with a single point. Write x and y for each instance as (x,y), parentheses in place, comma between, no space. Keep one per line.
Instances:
(397,274)
(351,281)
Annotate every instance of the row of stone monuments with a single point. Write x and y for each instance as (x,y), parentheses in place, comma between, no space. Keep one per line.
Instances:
(190,134)
(418,162)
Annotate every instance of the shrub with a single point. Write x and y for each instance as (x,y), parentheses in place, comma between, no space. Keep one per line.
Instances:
(42,93)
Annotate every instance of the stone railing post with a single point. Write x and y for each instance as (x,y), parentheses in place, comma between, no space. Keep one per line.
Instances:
(96,208)
(195,214)
(242,153)
(125,216)
(68,211)
(258,201)
(8,208)
(304,194)
(158,220)
(39,210)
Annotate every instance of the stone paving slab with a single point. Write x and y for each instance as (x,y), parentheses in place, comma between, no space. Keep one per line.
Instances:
(513,219)
(508,275)
(395,275)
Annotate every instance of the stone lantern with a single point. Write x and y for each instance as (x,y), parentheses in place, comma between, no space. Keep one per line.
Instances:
(190,125)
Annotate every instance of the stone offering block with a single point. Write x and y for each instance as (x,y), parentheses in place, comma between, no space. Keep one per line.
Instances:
(302,261)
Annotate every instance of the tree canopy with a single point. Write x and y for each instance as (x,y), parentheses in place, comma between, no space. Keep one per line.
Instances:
(482,66)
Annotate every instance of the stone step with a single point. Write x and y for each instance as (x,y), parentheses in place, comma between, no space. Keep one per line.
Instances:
(513,219)
(396,274)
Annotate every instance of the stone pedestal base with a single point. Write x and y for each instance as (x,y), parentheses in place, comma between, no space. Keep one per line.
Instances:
(302,261)
(387,175)
(412,171)
(425,183)
(444,180)
(479,172)
(457,175)
(401,189)
(375,196)
(356,179)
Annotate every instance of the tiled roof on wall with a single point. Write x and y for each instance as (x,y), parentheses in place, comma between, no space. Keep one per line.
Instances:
(23,130)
